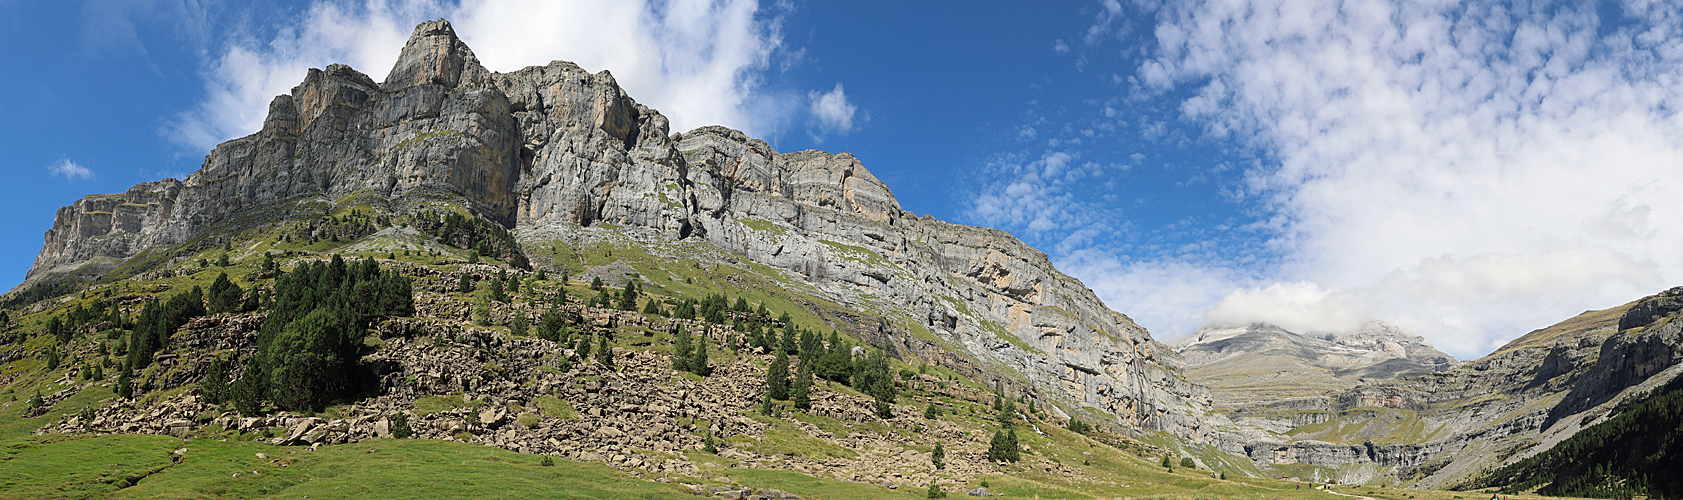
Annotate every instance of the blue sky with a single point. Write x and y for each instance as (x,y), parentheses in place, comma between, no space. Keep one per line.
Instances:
(1468,171)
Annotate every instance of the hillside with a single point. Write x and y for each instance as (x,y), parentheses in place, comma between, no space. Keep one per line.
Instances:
(552,243)
(1449,428)
(467,283)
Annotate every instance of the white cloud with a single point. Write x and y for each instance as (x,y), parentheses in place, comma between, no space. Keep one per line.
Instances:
(1168,296)
(697,61)
(831,109)
(70,170)
(1467,171)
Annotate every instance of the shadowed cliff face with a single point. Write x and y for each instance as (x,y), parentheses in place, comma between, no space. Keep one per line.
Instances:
(555,146)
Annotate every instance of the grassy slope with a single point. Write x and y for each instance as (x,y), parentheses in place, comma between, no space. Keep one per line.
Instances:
(221,464)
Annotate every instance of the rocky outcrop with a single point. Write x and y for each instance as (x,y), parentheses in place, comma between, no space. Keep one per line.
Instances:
(445,382)
(1518,401)
(556,148)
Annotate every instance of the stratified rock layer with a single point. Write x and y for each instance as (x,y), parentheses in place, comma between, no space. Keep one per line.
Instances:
(1516,402)
(556,146)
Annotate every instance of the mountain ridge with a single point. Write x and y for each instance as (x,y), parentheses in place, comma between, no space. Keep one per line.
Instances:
(555,146)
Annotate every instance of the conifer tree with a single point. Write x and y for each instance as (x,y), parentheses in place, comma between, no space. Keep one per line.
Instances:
(550,325)
(938,457)
(681,349)
(787,343)
(698,363)
(604,354)
(482,307)
(518,325)
(801,393)
(777,377)
(497,292)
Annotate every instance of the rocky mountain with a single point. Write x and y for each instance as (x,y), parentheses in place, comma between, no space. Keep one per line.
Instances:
(1447,428)
(561,155)
(1260,362)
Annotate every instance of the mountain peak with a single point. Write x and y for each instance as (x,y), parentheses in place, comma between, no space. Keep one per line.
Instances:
(435,55)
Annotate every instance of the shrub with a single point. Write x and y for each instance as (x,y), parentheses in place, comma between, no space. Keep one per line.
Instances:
(1187,463)
(547,461)
(935,491)
(400,426)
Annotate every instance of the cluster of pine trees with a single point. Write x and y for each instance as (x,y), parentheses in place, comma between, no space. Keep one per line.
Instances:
(310,342)
(832,360)
(1634,453)
(1004,446)
(484,237)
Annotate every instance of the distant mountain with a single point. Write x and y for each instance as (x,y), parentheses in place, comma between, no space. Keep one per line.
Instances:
(1440,428)
(1261,362)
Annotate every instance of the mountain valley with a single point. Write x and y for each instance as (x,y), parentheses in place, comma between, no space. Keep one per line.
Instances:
(456,278)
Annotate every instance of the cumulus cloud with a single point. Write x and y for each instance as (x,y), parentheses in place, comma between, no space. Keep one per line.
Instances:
(70,170)
(1166,295)
(832,111)
(698,61)
(1468,170)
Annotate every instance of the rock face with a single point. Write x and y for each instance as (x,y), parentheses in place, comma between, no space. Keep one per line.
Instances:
(1259,362)
(555,146)
(1516,402)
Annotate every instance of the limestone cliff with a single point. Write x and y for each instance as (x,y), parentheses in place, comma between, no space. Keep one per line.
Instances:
(556,146)
(1444,428)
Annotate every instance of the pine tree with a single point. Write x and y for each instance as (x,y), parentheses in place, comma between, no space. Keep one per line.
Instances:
(938,457)
(998,448)
(497,293)
(681,349)
(550,325)
(482,307)
(628,297)
(224,295)
(801,393)
(777,377)
(465,284)
(787,343)
(1014,451)
(518,325)
(698,363)
(125,386)
(604,354)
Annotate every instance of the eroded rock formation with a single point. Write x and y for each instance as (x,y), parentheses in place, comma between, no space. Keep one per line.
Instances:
(557,146)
